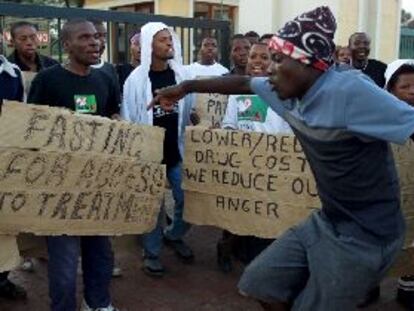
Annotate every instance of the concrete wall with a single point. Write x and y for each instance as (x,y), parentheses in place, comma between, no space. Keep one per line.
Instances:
(174,8)
(107,4)
(388,32)
(253,16)
(379,18)
(347,20)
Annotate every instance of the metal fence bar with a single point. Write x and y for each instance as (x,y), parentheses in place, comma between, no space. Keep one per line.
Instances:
(108,40)
(407,43)
(59,27)
(183,26)
(182,42)
(190,48)
(11,9)
(224,44)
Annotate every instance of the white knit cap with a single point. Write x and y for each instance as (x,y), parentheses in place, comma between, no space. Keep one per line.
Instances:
(394,66)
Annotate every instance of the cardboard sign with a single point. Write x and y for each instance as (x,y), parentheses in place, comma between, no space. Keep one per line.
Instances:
(64,173)
(404,159)
(74,193)
(248,183)
(9,254)
(211,109)
(56,129)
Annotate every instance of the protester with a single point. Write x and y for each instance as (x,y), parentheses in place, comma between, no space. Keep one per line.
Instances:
(344,124)
(124,70)
(161,66)
(240,48)
(252,36)
(207,65)
(108,69)
(360,45)
(399,81)
(230,244)
(11,88)
(254,115)
(342,55)
(25,55)
(25,42)
(84,90)
(266,38)
(249,114)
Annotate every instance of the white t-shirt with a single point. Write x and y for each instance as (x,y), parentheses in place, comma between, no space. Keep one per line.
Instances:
(198,70)
(250,113)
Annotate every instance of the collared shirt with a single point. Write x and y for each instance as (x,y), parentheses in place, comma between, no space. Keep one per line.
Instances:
(344,123)
(42,62)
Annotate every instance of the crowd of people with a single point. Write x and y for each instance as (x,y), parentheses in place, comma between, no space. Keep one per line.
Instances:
(344,108)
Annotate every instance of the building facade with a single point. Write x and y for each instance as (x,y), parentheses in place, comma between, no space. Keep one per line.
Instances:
(379,18)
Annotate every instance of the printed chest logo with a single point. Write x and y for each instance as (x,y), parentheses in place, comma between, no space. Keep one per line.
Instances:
(159,112)
(251,108)
(85,103)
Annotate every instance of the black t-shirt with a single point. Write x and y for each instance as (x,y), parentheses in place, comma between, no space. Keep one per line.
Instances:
(376,70)
(123,71)
(166,120)
(94,94)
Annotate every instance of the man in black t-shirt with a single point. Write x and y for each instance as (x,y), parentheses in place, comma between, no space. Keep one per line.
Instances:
(359,44)
(161,66)
(124,70)
(78,87)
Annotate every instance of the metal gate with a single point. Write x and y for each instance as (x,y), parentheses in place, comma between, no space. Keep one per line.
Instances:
(407,43)
(120,25)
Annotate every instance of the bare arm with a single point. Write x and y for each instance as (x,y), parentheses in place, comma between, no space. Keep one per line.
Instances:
(223,85)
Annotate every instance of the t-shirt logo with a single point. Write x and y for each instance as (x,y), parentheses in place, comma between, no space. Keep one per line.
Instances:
(85,103)
(251,108)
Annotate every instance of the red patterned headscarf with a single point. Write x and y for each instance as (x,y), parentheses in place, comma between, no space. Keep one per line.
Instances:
(308,38)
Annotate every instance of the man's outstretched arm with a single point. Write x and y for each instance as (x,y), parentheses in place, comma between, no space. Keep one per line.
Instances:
(168,96)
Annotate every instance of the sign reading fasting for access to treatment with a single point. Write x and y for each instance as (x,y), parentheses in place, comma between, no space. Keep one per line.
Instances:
(64,173)
(248,183)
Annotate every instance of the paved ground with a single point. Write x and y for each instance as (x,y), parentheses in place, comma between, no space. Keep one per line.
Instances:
(185,288)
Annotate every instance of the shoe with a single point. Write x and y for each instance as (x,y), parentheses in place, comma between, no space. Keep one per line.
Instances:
(27,265)
(116,272)
(371,297)
(182,250)
(11,291)
(85,307)
(153,267)
(224,257)
(405,292)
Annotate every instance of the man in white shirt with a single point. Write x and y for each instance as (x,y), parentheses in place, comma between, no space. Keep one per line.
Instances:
(207,65)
